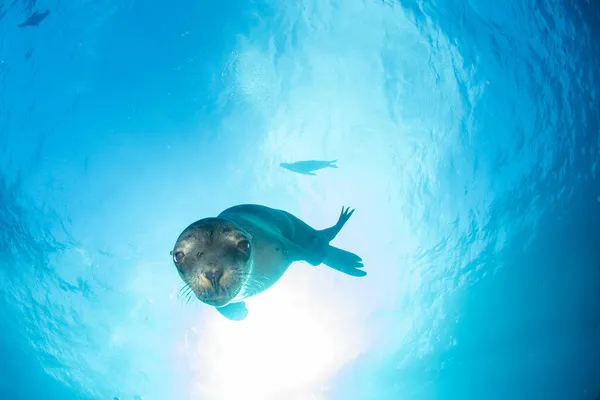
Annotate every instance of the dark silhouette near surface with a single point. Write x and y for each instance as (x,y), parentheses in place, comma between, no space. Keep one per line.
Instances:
(35,19)
(309,166)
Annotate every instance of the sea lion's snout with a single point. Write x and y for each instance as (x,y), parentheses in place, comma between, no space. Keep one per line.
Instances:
(213,276)
(210,279)
(215,285)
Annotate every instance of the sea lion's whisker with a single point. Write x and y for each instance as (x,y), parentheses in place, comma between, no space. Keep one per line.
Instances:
(256,286)
(190,296)
(253,275)
(183,289)
(259,284)
(187,292)
(186,299)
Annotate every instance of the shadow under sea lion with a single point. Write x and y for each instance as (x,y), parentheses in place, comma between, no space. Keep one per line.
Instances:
(247,248)
(309,166)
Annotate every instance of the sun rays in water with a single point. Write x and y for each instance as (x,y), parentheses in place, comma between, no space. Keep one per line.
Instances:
(289,344)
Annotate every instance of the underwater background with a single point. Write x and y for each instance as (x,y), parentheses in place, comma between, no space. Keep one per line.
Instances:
(468,140)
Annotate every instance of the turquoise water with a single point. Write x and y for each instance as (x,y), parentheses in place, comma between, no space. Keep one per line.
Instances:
(467,138)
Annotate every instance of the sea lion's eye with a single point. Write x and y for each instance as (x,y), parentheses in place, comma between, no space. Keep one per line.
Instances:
(178,256)
(244,245)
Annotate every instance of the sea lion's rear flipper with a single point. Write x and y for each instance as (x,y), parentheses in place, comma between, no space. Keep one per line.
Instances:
(332,232)
(344,261)
(234,311)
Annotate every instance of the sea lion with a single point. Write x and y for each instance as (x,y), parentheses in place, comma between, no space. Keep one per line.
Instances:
(308,167)
(35,19)
(243,251)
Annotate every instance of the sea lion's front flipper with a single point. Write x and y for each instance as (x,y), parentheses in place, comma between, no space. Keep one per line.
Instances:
(234,311)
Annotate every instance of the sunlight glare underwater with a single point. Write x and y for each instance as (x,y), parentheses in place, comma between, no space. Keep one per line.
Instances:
(315,320)
(265,355)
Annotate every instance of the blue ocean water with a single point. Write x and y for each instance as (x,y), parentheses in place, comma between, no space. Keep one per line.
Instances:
(467,137)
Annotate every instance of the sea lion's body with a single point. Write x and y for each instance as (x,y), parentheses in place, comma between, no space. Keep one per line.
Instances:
(276,240)
(35,19)
(308,167)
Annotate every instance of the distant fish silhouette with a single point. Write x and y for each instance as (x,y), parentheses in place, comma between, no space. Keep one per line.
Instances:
(35,19)
(307,167)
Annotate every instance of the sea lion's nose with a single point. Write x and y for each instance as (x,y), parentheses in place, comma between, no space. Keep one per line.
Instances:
(214,275)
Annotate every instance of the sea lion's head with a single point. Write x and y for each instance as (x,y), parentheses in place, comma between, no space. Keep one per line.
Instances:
(213,257)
